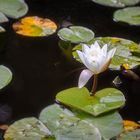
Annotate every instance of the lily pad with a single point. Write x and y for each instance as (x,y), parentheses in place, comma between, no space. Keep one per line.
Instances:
(110,125)
(5,76)
(76,34)
(128,52)
(65,126)
(13,9)
(130,135)
(3,18)
(117,3)
(27,129)
(130,15)
(2,29)
(51,114)
(35,26)
(103,101)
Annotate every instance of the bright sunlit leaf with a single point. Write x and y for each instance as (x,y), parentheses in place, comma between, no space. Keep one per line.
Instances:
(35,26)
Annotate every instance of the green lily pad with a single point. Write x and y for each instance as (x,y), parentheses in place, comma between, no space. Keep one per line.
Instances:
(117,3)
(130,135)
(5,76)
(130,15)
(128,52)
(2,29)
(3,18)
(76,34)
(27,129)
(51,114)
(103,101)
(65,126)
(110,125)
(13,8)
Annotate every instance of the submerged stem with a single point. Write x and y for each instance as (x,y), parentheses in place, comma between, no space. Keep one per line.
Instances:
(95,81)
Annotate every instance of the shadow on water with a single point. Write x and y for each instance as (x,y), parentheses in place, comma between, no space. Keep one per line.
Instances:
(39,68)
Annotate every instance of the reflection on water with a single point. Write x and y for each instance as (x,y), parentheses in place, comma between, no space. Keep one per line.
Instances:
(41,70)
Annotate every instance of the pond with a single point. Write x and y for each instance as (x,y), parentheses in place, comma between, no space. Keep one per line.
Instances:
(41,70)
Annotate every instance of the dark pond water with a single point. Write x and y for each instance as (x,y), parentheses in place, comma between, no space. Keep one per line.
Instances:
(40,70)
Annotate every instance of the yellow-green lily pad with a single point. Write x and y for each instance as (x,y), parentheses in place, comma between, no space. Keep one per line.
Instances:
(103,101)
(127,51)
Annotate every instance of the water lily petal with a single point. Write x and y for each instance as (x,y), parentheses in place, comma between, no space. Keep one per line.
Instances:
(105,66)
(85,48)
(92,66)
(96,47)
(104,50)
(111,53)
(84,77)
(80,54)
(107,60)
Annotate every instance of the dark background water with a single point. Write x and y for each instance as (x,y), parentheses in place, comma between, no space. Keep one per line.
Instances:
(40,70)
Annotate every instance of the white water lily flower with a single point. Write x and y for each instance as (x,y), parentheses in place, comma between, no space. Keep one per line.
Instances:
(96,59)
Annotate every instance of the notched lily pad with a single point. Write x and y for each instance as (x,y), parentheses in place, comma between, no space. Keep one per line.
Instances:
(128,52)
(117,3)
(35,26)
(5,76)
(130,15)
(76,34)
(27,129)
(103,101)
(66,126)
